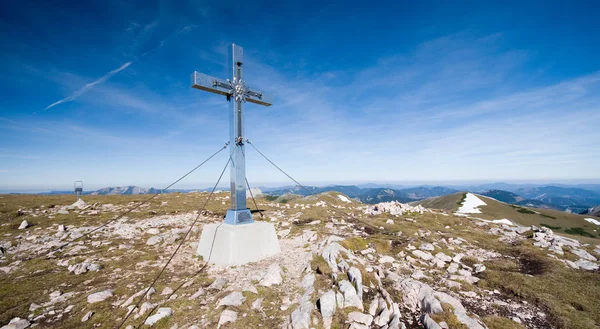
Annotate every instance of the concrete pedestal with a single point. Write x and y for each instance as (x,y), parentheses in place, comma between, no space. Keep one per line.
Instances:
(224,244)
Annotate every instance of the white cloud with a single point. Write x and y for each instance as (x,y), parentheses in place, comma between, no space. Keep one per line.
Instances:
(87,87)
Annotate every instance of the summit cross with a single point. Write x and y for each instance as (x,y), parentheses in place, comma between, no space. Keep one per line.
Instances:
(237,93)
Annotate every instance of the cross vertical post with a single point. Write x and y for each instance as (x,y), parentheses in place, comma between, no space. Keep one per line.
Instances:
(238,213)
(237,93)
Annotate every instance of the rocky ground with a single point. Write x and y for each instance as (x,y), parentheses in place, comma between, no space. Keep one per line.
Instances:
(342,264)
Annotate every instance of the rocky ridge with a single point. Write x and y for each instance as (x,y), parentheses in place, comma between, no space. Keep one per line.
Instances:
(389,265)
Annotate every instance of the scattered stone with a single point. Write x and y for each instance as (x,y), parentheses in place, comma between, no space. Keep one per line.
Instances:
(87,316)
(423,255)
(154,240)
(99,296)
(233,299)
(272,276)
(586,265)
(17,323)
(167,291)
(327,307)
(350,296)
(443,257)
(23,226)
(429,323)
(479,268)
(218,284)
(427,247)
(361,318)
(583,254)
(226,317)
(301,316)
(162,313)
(386,259)
(257,304)
(252,289)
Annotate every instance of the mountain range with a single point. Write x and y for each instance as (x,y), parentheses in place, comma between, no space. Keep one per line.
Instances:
(564,198)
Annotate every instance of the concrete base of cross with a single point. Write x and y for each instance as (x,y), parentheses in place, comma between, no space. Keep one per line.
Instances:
(224,244)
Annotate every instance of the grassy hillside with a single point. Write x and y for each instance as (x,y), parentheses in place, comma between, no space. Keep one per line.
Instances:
(571,225)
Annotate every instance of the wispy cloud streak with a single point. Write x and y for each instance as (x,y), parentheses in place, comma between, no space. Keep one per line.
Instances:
(87,87)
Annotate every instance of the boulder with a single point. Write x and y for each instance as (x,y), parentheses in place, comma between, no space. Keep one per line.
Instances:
(583,254)
(301,316)
(17,323)
(226,317)
(87,316)
(163,312)
(429,323)
(327,307)
(99,296)
(586,265)
(361,318)
(423,255)
(355,277)
(430,304)
(427,247)
(272,276)
(350,296)
(233,299)
(218,284)
(23,226)
(443,257)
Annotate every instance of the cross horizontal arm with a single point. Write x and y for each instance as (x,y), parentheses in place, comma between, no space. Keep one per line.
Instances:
(258,97)
(211,84)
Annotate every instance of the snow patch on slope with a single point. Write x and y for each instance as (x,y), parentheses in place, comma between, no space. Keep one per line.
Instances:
(344,198)
(503,221)
(591,220)
(470,205)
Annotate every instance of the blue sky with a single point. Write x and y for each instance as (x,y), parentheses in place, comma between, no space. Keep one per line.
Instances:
(396,92)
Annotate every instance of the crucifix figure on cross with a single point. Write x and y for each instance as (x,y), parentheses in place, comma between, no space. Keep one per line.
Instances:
(237,93)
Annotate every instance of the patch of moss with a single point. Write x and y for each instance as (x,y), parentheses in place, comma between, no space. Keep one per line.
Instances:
(525,211)
(579,231)
(551,227)
(355,244)
(319,265)
(498,322)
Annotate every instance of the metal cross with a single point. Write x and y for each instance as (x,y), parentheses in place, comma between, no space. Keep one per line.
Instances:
(237,93)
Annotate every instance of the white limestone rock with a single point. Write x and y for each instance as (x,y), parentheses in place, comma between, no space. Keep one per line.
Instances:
(583,254)
(430,304)
(257,304)
(301,316)
(163,312)
(386,259)
(453,268)
(87,316)
(350,296)
(427,247)
(443,257)
(23,226)
(429,323)
(327,307)
(17,323)
(218,284)
(423,255)
(586,265)
(356,279)
(479,268)
(227,316)
(272,276)
(361,318)
(154,240)
(233,299)
(99,296)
